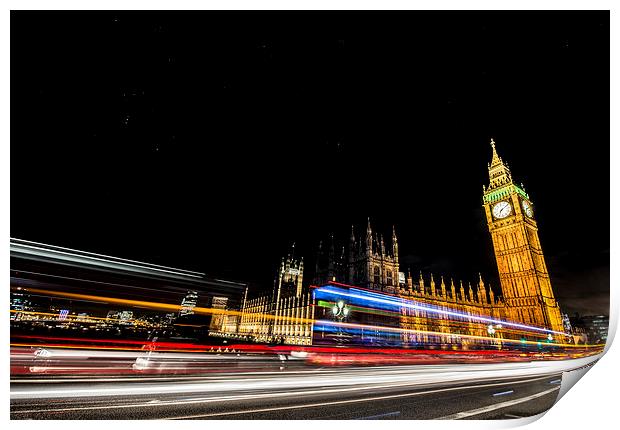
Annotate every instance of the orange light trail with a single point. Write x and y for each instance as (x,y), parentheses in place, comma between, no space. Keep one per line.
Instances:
(161,306)
(213,311)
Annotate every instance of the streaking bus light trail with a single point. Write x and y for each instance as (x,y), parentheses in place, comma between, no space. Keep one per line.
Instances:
(368,297)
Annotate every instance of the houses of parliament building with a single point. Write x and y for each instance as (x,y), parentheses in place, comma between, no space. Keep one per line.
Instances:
(370,261)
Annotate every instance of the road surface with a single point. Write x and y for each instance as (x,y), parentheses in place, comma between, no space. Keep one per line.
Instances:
(458,391)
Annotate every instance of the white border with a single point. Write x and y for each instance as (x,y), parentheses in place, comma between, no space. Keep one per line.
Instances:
(589,405)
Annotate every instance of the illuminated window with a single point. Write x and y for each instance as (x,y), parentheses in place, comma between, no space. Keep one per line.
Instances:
(377,278)
(389,277)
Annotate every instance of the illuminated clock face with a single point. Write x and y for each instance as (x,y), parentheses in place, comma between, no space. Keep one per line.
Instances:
(502,210)
(527,208)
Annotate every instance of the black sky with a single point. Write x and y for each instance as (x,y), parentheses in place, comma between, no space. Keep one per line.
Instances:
(213,140)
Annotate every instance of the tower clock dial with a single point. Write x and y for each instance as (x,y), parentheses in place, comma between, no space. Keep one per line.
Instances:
(502,210)
(527,208)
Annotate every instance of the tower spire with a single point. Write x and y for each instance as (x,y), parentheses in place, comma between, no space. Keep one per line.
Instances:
(482,294)
(422,288)
(499,173)
(495,159)
(394,243)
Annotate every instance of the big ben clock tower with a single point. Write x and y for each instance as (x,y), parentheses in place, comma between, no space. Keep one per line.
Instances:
(520,261)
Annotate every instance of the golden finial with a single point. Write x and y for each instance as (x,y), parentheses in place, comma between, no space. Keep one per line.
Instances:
(493,147)
(495,160)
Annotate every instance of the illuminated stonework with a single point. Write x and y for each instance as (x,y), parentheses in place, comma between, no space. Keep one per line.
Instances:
(526,294)
(284,316)
(524,279)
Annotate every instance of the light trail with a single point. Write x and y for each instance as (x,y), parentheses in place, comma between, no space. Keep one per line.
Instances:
(156,305)
(369,296)
(73,318)
(448,324)
(214,311)
(437,333)
(77,256)
(342,402)
(398,314)
(346,378)
(281,394)
(317,323)
(126,302)
(89,281)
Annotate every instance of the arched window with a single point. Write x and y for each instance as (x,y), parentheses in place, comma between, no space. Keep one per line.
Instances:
(389,277)
(377,277)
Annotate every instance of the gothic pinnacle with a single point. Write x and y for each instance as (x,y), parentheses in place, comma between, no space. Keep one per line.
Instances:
(495,158)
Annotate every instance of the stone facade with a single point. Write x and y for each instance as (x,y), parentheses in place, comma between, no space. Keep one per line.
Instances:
(286,315)
(525,282)
(368,261)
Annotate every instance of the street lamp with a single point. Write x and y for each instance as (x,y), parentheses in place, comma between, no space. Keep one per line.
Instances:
(492,330)
(340,310)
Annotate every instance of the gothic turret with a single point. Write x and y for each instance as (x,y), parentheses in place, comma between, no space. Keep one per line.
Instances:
(409,281)
(482,294)
(394,243)
(353,248)
(290,277)
(422,289)
(369,238)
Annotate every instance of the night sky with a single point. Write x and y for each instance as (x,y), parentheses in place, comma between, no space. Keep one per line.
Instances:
(212,141)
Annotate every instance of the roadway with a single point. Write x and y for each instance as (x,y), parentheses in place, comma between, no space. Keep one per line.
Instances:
(458,391)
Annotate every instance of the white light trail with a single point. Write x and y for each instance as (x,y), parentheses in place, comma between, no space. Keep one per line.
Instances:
(414,375)
(289,394)
(366,399)
(76,256)
(411,305)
